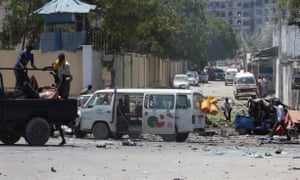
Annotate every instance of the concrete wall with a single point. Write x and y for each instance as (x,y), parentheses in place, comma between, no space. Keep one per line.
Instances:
(76,59)
(131,70)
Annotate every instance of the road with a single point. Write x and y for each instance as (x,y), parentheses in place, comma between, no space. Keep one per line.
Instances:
(200,157)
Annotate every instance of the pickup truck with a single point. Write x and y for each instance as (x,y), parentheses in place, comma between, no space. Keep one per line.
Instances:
(32,119)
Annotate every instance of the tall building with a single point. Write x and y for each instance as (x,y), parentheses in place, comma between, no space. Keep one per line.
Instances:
(243,15)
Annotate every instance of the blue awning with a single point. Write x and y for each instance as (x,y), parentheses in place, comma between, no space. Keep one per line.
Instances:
(59,18)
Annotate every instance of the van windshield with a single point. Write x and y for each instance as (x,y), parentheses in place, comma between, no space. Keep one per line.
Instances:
(246,80)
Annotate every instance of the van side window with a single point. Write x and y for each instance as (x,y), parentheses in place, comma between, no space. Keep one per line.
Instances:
(196,98)
(182,102)
(159,101)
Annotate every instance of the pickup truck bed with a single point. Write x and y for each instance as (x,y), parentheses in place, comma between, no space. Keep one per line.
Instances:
(33,118)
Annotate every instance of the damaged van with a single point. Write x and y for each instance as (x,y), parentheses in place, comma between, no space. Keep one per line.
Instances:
(164,112)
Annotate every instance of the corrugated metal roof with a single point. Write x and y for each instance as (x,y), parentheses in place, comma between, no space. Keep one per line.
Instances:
(65,6)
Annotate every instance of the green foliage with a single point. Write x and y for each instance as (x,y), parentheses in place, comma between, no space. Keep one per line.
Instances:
(169,29)
(18,22)
(222,42)
(175,30)
(294,8)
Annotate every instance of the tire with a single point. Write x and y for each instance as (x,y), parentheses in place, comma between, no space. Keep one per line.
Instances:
(100,131)
(168,137)
(9,139)
(181,137)
(37,131)
(242,130)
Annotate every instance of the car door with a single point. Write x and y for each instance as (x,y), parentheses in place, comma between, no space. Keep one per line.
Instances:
(183,112)
(159,113)
(99,107)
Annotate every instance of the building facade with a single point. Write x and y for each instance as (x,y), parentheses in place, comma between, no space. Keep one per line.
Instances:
(243,15)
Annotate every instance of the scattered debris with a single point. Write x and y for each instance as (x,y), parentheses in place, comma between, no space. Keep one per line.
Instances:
(53,170)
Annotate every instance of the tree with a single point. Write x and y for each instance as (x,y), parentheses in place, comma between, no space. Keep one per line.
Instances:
(294,8)
(222,42)
(175,30)
(17,23)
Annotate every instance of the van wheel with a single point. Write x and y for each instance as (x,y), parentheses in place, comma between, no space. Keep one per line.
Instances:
(100,131)
(9,139)
(181,137)
(168,137)
(37,131)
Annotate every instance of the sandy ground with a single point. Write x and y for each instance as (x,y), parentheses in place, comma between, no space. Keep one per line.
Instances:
(200,157)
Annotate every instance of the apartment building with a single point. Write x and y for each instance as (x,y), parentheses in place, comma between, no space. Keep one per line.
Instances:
(243,15)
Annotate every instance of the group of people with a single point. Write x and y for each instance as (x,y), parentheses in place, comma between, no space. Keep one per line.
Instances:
(60,69)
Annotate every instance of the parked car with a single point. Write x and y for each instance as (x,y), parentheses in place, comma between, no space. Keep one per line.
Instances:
(193,77)
(229,75)
(203,77)
(181,81)
(219,74)
(215,74)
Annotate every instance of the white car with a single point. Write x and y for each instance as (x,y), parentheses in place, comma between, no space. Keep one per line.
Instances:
(181,81)
(193,77)
(229,75)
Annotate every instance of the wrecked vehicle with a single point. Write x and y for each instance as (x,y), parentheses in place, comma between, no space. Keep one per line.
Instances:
(32,118)
(259,119)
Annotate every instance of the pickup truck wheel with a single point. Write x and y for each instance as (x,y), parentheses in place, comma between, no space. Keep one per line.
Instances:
(37,132)
(100,131)
(9,139)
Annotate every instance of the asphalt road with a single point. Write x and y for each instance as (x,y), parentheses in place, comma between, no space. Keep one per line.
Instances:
(222,156)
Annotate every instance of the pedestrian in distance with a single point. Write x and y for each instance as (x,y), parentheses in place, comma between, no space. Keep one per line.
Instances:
(263,87)
(20,68)
(227,108)
(259,84)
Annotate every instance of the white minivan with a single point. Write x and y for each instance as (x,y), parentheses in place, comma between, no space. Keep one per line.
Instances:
(244,85)
(116,112)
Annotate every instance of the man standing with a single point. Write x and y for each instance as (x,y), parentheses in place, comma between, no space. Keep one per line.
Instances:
(20,67)
(280,117)
(62,69)
(227,108)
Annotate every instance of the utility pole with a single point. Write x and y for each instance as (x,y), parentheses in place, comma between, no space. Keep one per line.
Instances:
(278,69)
(26,25)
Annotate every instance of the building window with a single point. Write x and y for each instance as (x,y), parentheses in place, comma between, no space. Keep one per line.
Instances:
(246,14)
(223,5)
(246,5)
(239,13)
(230,13)
(266,1)
(259,11)
(258,21)
(229,4)
(246,23)
(259,2)
(239,4)
(223,14)
(238,22)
